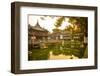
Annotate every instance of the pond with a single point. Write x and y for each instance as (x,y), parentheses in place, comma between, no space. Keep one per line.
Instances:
(55,52)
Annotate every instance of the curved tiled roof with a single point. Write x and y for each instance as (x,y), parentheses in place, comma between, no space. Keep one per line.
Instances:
(38,27)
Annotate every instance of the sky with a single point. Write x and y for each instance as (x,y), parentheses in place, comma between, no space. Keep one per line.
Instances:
(47,22)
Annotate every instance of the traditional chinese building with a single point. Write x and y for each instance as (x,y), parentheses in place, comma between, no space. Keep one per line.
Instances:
(36,35)
(65,35)
(61,35)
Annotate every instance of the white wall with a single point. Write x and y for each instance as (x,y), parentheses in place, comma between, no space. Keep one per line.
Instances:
(5,42)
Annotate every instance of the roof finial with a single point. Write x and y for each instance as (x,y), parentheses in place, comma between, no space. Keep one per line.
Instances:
(37,24)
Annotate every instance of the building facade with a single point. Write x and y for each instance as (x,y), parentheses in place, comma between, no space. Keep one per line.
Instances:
(36,35)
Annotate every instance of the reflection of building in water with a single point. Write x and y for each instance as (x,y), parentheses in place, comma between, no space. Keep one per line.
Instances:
(36,35)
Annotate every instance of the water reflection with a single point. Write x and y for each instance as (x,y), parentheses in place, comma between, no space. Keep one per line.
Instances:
(55,52)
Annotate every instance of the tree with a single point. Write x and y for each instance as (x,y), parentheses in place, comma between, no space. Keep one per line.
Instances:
(56,30)
(59,22)
(82,23)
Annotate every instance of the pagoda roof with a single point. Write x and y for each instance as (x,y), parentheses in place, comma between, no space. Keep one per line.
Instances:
(38,27)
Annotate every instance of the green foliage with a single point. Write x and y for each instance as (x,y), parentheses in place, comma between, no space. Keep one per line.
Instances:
(59,21)
(81,22)
(86,53)
(68,28)
(56,30)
